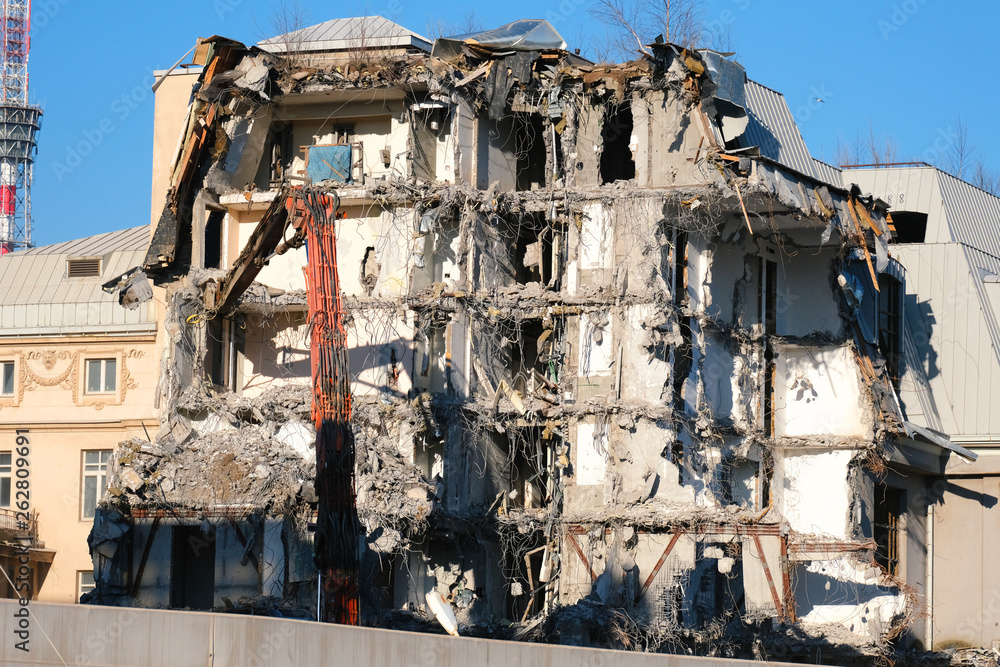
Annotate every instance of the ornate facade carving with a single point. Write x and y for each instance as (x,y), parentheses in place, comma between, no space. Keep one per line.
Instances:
(30,378)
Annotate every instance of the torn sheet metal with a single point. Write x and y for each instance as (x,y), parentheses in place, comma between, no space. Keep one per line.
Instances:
(940,441)
(498,85)
(729,77)
(133,288)
(523,35)
(725,94)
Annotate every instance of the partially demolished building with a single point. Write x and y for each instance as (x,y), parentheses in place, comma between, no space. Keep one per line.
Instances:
(622,355)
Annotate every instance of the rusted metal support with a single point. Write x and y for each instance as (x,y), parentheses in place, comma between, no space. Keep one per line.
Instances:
(803,550)
(579,552)
(786,581)
(770,580)
(659,564)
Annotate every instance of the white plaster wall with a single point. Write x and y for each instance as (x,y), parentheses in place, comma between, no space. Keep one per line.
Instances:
(273,562)
(367,227)
(155,588)
(232,579)
(806,300)
(393,245)
(573,265)
(818,391)
(445,165)
(371,337)
(744,483)
(699,275)
(282,271)
(596,238)
(283,358)
(718,375)
(591,455)
(638,458)
(814,495)
(643,378)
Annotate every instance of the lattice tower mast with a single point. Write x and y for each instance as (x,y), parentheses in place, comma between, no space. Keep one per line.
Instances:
(19,122)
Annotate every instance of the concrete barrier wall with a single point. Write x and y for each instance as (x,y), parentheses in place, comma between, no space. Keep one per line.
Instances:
(110,636)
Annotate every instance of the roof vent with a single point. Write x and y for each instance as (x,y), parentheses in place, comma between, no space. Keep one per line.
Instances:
(84,268)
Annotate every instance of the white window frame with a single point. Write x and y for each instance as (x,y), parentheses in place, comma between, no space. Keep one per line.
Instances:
(6,475)
(97,470)
(4,366)
(80,574)
(103,363)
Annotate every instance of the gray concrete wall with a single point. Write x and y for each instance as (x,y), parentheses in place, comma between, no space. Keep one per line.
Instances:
(111,636)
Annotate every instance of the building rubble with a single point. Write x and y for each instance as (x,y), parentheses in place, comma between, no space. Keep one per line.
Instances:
(616,379)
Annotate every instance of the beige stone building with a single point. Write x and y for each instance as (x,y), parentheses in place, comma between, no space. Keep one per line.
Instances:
(78,373)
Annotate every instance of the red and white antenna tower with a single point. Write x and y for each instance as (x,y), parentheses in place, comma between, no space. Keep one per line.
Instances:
(19,122)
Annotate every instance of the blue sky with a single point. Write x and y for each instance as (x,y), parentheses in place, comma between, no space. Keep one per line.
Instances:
(910,67)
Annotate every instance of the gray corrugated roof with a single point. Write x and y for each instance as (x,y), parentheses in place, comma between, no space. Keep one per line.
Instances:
(773,129)
(39,299)
(347,33)
(973,214)
(135,238)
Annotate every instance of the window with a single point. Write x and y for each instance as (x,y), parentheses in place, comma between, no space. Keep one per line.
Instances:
(95,479)
(888,520)
(342,135)
(213,239)
(7,370)
(84,583)
(101,376)
(890,323)
(617,162)
(5,478)
(908,227)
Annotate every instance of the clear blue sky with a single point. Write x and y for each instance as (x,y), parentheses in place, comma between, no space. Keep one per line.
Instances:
(909,66)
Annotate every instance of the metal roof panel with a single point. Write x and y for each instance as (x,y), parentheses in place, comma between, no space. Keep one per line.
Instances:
(773,129)
(347,33)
